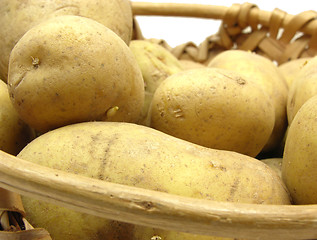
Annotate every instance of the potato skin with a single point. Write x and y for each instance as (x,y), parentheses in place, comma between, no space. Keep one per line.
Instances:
(139,156)
(14,133)
(71,69)
(18,16)
(303,88)
(156,64)
(190,64)
(215,108)
(275,164)
(291,69)
(299,165)
(263,72)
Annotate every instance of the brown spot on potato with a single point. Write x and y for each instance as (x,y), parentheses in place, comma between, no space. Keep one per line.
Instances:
(213,90)
(220,167)
(178,113)
(104,159)
(233,189)
(241,81)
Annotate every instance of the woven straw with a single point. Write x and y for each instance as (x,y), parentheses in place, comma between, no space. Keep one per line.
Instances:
(278,36)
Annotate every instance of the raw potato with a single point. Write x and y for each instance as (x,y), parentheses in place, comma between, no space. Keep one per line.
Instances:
(71,69)
(156,64)
(215,108)
(14,133)
(299,166)
(262,71)
(139,156)
(290,69)
(275,164)
(189,64)
(18,16)
(303,88)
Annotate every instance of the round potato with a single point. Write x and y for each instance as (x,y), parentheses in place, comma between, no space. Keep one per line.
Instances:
(156,64)
(299,165)
(263,72)
(303,88)
(290,69)
(215,108)
(71,69)
(189,64)
(139,156)
(14,133)
(18,16)
(275,164)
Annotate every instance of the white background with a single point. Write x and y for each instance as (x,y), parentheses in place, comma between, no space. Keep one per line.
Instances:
(178,30)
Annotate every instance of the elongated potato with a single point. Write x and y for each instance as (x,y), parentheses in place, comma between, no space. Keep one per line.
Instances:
(72,69)
(215,108)
(139,156)
(18,16)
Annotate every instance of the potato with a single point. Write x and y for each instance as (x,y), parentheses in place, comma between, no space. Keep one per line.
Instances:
(14,133)
(291,68)
(71,69)
(215,108)
(303,88)
(275,164)
(262,71)
(189,64)
(156,64)
(139,156)
(299,165)
(18,16)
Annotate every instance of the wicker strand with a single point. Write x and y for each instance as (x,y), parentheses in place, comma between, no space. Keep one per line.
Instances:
(11,201)
(245,27)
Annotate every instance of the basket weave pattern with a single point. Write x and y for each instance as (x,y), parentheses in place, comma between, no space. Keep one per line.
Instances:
(276,35)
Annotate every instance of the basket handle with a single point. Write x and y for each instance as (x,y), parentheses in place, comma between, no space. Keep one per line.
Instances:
(213,12)
(234,20)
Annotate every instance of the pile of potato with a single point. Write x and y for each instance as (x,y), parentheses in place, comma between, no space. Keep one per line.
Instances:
(79,95)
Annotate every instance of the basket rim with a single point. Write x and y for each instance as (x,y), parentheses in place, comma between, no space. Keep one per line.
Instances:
(156,209)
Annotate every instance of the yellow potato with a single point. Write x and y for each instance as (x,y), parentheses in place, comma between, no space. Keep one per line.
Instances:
(299,165)
(18,16)
(189,64)
(263,72)
(303,88)
(14,133)
(290,69)
(275,164)
(139,156)
(215,108)
(71,69)
(156,64)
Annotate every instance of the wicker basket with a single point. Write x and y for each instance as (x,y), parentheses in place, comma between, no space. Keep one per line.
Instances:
(162,210)
(276,35)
